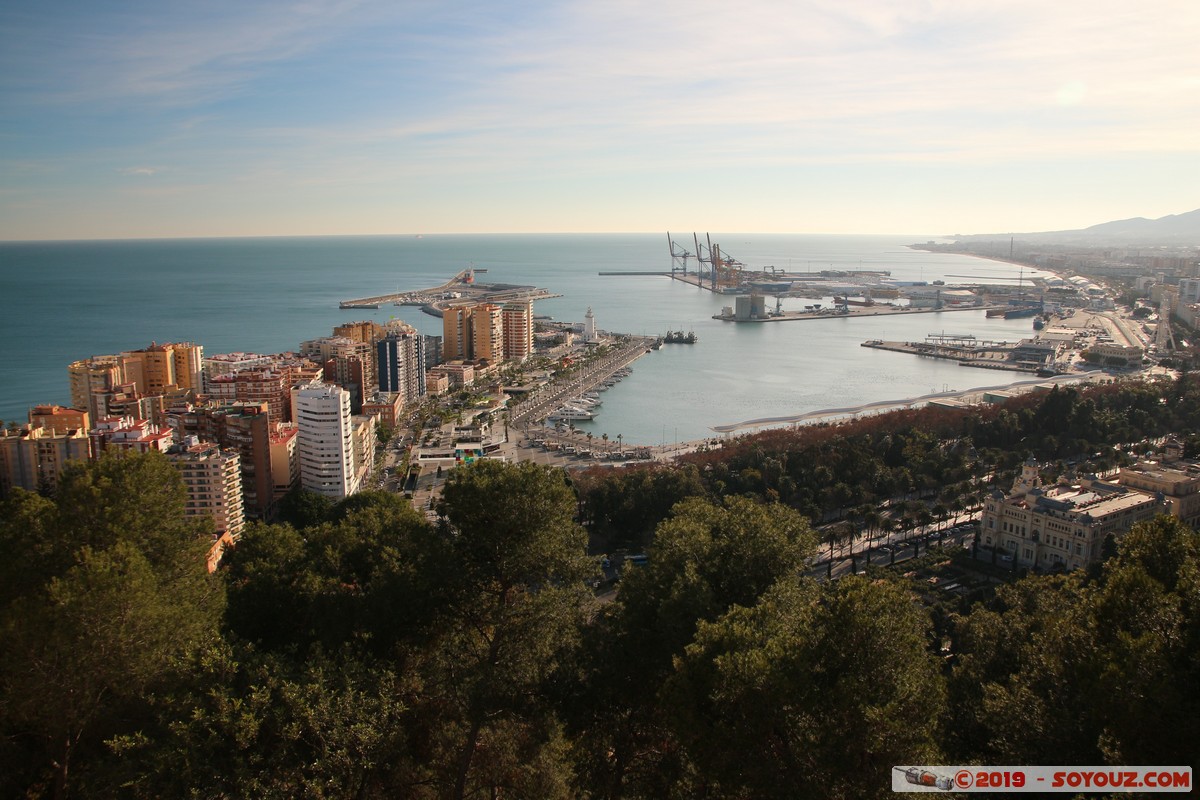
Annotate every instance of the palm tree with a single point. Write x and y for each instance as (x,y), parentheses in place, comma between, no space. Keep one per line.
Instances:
(830,536)
(590,436)
(621,442)
(942,513)
(849,531)
(924,517)
(957,506)
(604,437)
(872,519)
(889,527)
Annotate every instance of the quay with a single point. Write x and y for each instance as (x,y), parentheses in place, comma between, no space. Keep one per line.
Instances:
(988,355)
(878,310)
(544,401)
(462,288)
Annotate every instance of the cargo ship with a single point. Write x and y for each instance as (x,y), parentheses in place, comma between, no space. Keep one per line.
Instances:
(1023,312)
(1018,309)
(853,301)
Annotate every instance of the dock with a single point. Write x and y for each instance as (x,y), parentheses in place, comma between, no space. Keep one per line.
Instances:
(459,289)
(545,400)
(879,310)
(983,354)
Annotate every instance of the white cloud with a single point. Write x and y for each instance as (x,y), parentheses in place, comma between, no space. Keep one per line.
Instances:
(365,97)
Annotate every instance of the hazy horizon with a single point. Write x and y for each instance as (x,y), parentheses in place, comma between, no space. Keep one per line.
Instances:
(141,120)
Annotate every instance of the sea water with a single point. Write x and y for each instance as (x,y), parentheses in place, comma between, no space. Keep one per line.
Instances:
(62,301)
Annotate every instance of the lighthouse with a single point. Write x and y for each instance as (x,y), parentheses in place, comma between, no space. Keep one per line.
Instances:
(589,326)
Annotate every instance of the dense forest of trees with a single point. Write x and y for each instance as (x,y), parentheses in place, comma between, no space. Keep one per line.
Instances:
(364,652)
(926,458)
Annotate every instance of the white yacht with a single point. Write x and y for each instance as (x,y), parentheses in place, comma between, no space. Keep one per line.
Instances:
(568,412)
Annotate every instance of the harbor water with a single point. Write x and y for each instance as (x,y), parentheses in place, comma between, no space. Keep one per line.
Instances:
(63,301)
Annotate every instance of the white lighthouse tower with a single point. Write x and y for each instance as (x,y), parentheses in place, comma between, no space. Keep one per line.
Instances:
(589,327)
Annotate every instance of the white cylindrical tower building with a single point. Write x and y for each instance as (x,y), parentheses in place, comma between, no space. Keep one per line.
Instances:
(323,440)
(589,326)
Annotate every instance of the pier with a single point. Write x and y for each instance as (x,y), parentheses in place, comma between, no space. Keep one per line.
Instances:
(839,312)
(545,400)
(459,289)
(967,351)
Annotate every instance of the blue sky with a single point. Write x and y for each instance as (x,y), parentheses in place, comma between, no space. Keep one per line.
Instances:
(132,119)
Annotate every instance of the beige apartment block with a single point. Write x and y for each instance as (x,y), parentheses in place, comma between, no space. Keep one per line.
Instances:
(58,418)
(456,333)
(1173,477)
(487,333)
(33,458)
(518,331)
(213,479)
(285,459)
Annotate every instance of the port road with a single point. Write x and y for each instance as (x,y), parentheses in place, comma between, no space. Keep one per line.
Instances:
(549,398)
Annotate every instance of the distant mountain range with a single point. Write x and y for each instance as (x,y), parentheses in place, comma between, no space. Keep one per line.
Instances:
(1173,229)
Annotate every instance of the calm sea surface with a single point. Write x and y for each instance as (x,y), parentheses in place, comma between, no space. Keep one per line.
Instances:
(65,301)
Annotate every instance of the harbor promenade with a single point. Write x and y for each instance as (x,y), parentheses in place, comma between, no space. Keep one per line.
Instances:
(547,399)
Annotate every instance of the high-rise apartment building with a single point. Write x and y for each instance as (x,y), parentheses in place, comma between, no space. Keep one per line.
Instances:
(161,367)
(368,332)
(226,363)
(33,459)
(401,360)
(285,459)
(362,442)
(517,331)
(487,328)
(346,362)
(90,379)
(456,333)
(255,386)
(212,478)
(106,385)
(325,440)
(246,427)
(433,351)
(486,332)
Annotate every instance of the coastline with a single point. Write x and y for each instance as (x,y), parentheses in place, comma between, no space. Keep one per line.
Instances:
(734,373)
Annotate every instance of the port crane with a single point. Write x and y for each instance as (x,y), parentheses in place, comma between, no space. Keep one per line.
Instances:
(722,268)
(679,255)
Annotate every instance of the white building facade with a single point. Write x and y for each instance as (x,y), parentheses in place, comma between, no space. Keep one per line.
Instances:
(324,440)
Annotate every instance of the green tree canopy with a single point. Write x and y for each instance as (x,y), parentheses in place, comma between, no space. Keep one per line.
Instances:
(823,689)
(116,599)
